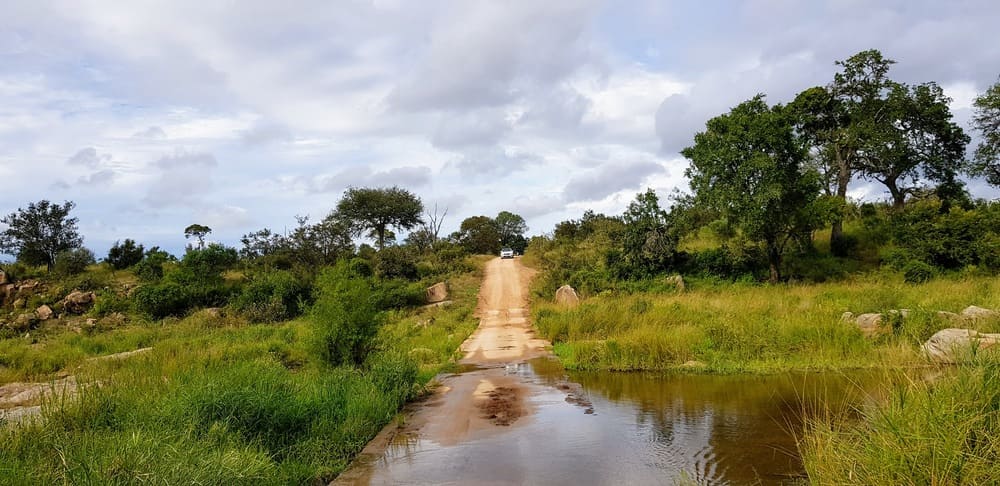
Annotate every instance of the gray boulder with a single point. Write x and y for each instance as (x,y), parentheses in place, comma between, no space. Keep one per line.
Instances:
(974,312)
(567,296)
(437,293)
(958,345)
(44,312)
(78,302)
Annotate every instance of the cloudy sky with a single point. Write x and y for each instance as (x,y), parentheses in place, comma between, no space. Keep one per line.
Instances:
(240,115)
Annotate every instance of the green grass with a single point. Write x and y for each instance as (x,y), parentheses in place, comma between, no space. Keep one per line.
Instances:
(944,431)
(758,328)
(218,401)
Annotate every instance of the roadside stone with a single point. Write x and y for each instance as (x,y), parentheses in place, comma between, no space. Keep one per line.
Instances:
(677,281)
(24,322)
(974,312)
(949,346)
(78,302)
(44,312)
(567,296)
(871,325)
(437,293)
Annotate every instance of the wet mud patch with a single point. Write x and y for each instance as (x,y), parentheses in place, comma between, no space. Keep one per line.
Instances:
(501,406)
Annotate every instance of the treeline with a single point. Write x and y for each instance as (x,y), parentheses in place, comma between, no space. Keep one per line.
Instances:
(272,276)
(766,179)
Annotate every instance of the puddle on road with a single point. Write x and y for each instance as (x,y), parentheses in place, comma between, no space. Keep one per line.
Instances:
(628,428)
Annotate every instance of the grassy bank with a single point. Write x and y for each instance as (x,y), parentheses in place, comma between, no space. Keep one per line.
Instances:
(218,400)
(758,328)
(941,432)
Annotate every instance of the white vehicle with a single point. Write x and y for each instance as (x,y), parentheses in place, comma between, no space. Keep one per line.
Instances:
(506,253)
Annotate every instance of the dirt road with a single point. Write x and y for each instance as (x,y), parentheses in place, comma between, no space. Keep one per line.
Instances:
(491,397)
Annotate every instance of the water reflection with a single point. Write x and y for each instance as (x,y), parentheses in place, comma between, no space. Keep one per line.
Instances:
(617,428)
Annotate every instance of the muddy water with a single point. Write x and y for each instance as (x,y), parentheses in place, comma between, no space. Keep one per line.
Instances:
(616,428)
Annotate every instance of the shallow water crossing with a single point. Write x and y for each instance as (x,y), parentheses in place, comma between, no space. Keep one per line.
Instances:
(514,416)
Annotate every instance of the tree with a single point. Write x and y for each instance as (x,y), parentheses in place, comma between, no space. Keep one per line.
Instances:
(511,228)
(749,166)
(839,120)
(918,140)
(199,232)
(37,234)
(432,224)
(648,244)
(125,255)
(374,210)
(986,120)
(479,234)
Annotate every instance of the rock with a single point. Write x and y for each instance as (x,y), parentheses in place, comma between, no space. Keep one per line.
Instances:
(213,312)
(24,322)
(437,293)
(91,322)
(4,280)
(677,281)
(973,312)
(44,312)
(871,325)
(19,304)
(78,302)
(566,295)
(957,345)
(27,288)
(7,293)
(847,317)
(114,319)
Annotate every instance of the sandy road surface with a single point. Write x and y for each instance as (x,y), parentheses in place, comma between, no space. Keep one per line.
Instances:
(474,404)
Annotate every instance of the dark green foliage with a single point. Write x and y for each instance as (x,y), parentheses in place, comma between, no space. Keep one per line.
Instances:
(209,262)
(397,294)
(345,316)
(361,267)
(649,242)
(396,262)
(271,297)
(124,255)
(37,234)
(727,262)
(479,235)
(917,272)
(199,232)
(986,121)
(73,262)
(393,372)
(375,210)
(161,299)
(511,228)
(749,166)
(150,268)
(949,240)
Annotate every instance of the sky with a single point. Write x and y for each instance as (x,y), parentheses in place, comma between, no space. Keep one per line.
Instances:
(154,115)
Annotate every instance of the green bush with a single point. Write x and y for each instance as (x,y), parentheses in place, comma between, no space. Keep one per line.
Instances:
(150,268)
(125,255)
(73,262)
(917,272)
(396,262)
(398,294)
(345,316)
(271,297)
(161,300)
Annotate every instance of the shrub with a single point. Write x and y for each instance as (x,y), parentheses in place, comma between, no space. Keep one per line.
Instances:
(124,255)
(398,294)
(271,297)
(396,262)
(161,300)
(344,317)
(917,272)
(150,268)
(73,262)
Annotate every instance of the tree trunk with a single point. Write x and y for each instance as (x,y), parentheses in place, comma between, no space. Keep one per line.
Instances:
(898,195)
(843,179)
(774,261)
(381,237)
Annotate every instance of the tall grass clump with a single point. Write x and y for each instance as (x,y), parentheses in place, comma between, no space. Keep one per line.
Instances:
(760,328)
(938,432)
(346,317)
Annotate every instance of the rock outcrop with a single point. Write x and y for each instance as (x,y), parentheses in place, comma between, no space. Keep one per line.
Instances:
(567,296)
(973,312)
(437,293)
(958,345)
(78,302)
(44,312)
